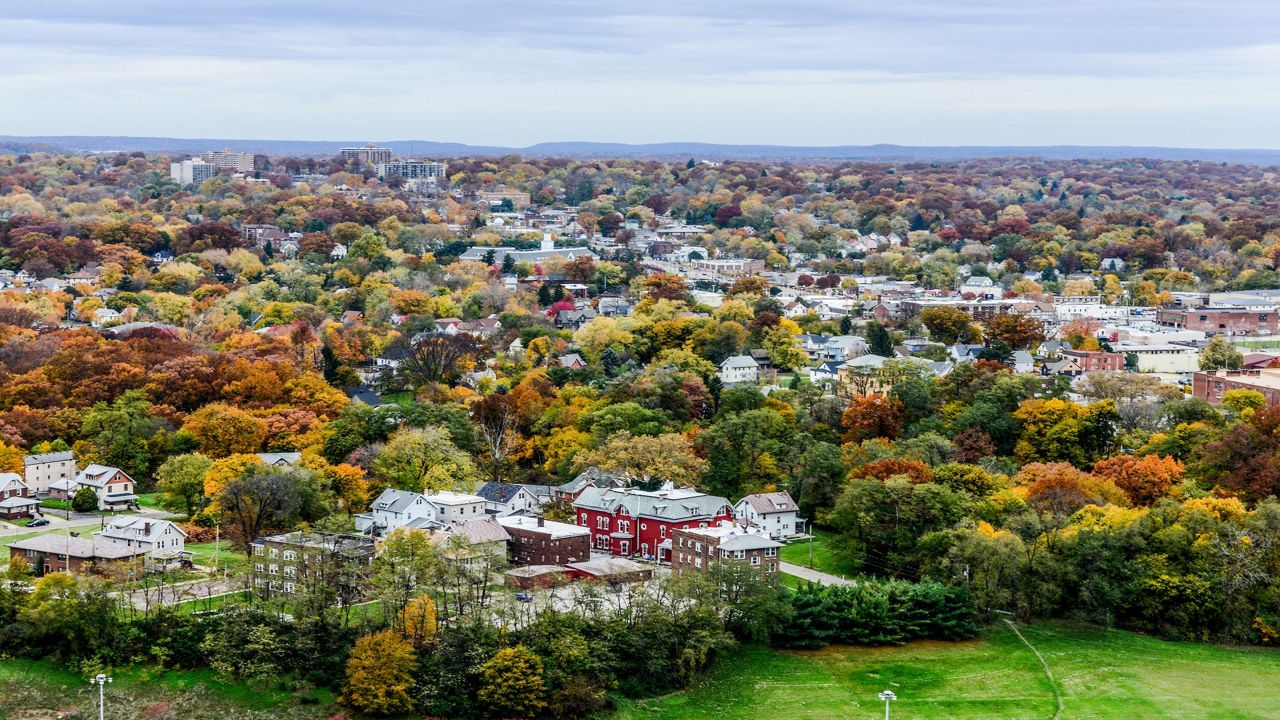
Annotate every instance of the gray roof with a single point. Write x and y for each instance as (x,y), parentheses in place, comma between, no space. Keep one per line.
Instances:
(277,458)
(393,500)
(595,475)
(77,547)
(62,456)
(503,492)
(481,530)
(668,505)
(774,502)
(608,566)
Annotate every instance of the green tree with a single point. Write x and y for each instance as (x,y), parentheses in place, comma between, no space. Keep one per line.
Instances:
(743,451)
(118,434)
(423,460)
(1220,354)
(85,500)
(512,685)
(180,481)
(948,325)
(879,342)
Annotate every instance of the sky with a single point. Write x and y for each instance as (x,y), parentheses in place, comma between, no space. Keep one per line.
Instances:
(1174,73)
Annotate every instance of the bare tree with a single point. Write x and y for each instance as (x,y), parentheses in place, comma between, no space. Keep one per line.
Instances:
(438,357)
(498,423)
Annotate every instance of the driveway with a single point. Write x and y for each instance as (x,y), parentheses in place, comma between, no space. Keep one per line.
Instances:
(805,573)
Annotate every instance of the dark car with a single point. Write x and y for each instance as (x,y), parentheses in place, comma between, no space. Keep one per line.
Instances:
(524,597)
(38,522)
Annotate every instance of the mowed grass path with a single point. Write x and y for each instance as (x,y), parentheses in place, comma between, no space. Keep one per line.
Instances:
(1102,675)
(797,553)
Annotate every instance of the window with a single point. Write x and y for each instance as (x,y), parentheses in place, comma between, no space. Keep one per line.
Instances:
(662,530)
(644,526)
(290,555)
(602,523)
(290,571)
(771,552)
(584,519)
(275,569)
(273,552)
(755,559)
(740,554)
(258,567)
(288,587)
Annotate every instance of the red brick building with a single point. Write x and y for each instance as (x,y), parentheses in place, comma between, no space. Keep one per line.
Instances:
(1096,360)
(535,541)
(1211,386)
(626,521)
(696,549)
(64,553)
(1220,320)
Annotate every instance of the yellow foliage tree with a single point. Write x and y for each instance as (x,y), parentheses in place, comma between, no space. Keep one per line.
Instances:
(379,674)
(419,620)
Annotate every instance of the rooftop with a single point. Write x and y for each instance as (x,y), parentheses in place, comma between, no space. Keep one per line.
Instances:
(556,530)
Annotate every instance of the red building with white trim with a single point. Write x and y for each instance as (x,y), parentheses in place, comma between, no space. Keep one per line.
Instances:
(627,521)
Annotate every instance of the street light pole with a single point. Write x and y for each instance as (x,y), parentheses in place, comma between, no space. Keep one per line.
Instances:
(887,696)
(101,681)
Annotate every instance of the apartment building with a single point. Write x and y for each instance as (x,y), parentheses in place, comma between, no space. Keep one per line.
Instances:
(1221,320)
(535,541)
(39,471)
(368,155)
(412,169)
(192,172)
(698,548)
(283,563)
(230,160)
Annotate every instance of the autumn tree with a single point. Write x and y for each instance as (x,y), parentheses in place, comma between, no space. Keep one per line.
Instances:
(871,416)
(423,460)
(380,674)
(440,358)
(1143,479)
(1060,489)
(497,423)
(1220,354)
(266,498)
(948,325)
(220,430)
(1017,330)
(512,685)
(646,457)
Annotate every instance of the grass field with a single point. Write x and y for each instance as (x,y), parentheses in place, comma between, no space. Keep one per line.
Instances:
(35,690)
(797,553)
(149,500)
(1101,675)
(202,554)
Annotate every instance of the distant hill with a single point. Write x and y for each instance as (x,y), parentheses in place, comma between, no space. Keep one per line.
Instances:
(665,151)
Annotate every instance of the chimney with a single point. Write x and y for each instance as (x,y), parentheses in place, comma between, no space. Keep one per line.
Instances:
(542,522)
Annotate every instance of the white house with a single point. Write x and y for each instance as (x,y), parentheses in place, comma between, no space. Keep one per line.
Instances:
(394,509)
(40,471)
(1023,362)
(149,534)
(280,459)
(452,507)
(844,347)
(114,487)
(105,316)
(338,252)
(774,512)
(506,498)
(739,369)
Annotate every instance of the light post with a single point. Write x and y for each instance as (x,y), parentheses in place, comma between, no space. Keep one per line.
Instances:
(887,696)
(101,681)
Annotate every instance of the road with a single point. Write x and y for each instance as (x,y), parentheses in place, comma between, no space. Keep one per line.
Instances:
(805,573)
(78,520)
(182,592)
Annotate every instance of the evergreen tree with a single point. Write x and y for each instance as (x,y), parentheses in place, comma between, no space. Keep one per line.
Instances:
(878,340)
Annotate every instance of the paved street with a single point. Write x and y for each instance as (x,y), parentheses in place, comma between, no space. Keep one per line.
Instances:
(78,520)
(805,573)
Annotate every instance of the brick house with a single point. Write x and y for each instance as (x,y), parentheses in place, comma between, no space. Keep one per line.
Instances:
(535,541)
(65,553)
(1096,360)
(624,521)
(16,499)
(696,549)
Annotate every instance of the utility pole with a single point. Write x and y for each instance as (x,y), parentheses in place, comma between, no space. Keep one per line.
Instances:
(101,681)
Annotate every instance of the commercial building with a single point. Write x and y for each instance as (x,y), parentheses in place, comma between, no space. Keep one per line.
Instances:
(367,155)
(1211,386)
(412,169)
(1221,320)
(1096,360)
(496,197)
(230,160)
(192,172)
(535,541)
(698,548)
(624,521)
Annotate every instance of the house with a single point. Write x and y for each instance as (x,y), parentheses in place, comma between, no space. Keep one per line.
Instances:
(284,563)
(16,499)
(502,498)
(696,549)
(1096,360)
(105,316)
(1068,366)
(826,372)
(70,554)
(843,347)
(351,317)
(338,252)
(476,541)
(614,307)
(1112,264)
(449,325)
(114,488)
(39,471)
(535,541)
(1023,362)
(394,509)
(280,459)
(452,507)
(627,520)
(774,512)
(574,319)
(739,369)
(591,477)
(572,361)
(164,543)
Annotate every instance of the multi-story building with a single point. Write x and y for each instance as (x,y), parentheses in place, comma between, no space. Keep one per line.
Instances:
(624,521)
(698,548)
(367,155)
(535,541)
(230,160)
(40,471)
(1211,386)
(114,488)
(285,563)
(496,197)
(394,509)
(1096,360)
(192,172)
(151,535)
(1221,320)
(452,507)
(412,169)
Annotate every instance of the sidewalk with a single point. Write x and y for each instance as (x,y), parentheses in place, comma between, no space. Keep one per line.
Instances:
(805,573)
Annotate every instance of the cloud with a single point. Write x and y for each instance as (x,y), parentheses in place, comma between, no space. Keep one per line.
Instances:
(805,72)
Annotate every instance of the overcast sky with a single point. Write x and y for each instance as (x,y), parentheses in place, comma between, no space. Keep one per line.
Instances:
(801,72)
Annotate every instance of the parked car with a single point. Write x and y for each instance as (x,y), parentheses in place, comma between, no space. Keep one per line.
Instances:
(524,597)
(38,522)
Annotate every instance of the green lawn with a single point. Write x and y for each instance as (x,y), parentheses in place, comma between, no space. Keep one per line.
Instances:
(37,689)
(403,397)
(149,500)
(202,554)
(1101,675)
(797,553)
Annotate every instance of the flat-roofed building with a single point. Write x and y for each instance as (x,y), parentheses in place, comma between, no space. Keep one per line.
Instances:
(535,541)
(698,548)
(39,471)
(1211,386)
(229,159)
(368,155)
